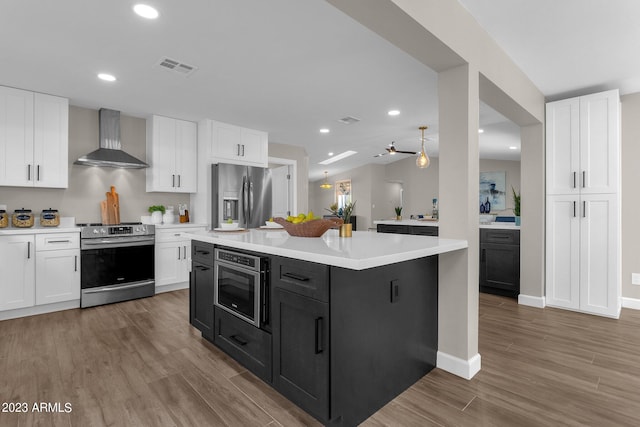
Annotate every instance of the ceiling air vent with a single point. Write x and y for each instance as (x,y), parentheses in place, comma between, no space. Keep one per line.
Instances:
(348,120)
(176,66)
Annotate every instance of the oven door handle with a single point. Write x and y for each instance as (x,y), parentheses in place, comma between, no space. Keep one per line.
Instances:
(113,288)
(116,242)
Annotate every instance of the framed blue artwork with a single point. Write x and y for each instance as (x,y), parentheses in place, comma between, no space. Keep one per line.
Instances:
(492,192)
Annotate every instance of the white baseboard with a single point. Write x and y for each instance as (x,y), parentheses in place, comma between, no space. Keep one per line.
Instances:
(537,302)
(633,303)
(39,309)
(460,367)
(172,287)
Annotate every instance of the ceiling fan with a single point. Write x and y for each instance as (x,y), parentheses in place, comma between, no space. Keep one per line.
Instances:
(391,149)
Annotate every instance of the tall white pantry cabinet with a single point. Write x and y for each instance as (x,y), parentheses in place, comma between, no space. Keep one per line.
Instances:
(583,204)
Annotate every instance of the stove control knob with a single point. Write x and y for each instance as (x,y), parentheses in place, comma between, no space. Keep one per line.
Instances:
(143,229)
(103,231)
(95,231)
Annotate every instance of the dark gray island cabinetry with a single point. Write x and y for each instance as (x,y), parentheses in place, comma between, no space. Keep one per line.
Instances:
(201,288)
(352,322)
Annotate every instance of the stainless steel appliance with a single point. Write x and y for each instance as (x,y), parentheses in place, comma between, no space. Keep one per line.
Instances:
(117,263)
(241,286)
(240,193)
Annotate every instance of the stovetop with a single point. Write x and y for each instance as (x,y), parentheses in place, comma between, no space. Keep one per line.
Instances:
(124,229)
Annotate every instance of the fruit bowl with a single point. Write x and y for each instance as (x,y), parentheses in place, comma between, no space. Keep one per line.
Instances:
(312,228)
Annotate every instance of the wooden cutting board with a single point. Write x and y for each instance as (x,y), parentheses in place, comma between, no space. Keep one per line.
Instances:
(110,208)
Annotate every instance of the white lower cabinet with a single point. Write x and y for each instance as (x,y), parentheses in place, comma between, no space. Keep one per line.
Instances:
(173,255)
(17,271)
(583,252)
(57,268)
(37,269)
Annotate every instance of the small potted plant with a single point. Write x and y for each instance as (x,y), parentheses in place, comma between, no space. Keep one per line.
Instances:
(156,213)
(516,205)
(345,213)
(398,210)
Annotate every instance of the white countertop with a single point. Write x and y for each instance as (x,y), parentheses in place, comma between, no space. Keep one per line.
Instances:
(364,250)
(67,225)
(495,225)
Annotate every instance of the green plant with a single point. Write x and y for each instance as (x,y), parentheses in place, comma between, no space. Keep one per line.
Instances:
(398,210)
(344,212)
(516,202)
(156,208)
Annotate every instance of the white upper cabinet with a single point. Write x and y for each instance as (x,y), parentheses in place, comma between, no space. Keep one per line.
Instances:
(172,155)
(34,139)
(234,144)
(51,141)
(583,144)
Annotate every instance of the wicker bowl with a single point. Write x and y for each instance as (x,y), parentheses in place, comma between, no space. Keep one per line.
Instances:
(313,228)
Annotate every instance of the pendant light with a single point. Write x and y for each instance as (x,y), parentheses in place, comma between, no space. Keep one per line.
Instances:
(423,160)
(326,185)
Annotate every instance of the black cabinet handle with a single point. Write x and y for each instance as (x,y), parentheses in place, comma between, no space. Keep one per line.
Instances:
(574,209)
(295,277)
(584,209)
(75,268)
(38,172)
(28,172)
(238,339)
(179,181)
(185,252)
(574,179)
(203,252)
(395,291)
(584,179)
(28,250)
(319,335)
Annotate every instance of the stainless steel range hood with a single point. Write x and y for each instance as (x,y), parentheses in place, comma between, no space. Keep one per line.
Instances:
(110,153)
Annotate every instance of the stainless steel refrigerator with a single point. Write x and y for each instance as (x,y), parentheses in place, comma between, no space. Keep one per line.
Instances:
(240,193)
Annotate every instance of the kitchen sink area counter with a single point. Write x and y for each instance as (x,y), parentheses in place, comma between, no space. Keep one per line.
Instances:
(362,251)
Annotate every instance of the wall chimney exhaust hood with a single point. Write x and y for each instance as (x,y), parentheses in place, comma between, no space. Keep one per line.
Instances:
(110,153)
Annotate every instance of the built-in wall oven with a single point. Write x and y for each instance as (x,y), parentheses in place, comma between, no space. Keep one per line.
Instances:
(241,286)
(117,263)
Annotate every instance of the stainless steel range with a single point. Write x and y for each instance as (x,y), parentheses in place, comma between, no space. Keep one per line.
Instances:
(117,263)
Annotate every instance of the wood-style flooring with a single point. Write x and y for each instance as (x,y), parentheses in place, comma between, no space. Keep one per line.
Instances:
(140,363)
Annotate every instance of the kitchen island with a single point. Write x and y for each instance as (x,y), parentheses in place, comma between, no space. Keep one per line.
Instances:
(353,321)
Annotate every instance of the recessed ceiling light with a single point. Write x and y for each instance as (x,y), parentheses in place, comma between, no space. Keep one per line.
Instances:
(394,112)
(513,147)
(338,157)
(331,153)
(146,11)
(106,77)
(324,130)
(480,130)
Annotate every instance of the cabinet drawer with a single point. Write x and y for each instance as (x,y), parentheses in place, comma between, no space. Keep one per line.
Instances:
(244,342)
(56,241)
(507,237)
(301,277)
(202,252)
(397,229)
(174,234)
(423,230)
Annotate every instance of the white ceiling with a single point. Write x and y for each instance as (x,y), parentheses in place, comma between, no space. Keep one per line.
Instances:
(288,67)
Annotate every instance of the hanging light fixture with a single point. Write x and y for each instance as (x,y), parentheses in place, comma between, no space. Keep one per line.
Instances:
(325,184)
(423,160)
